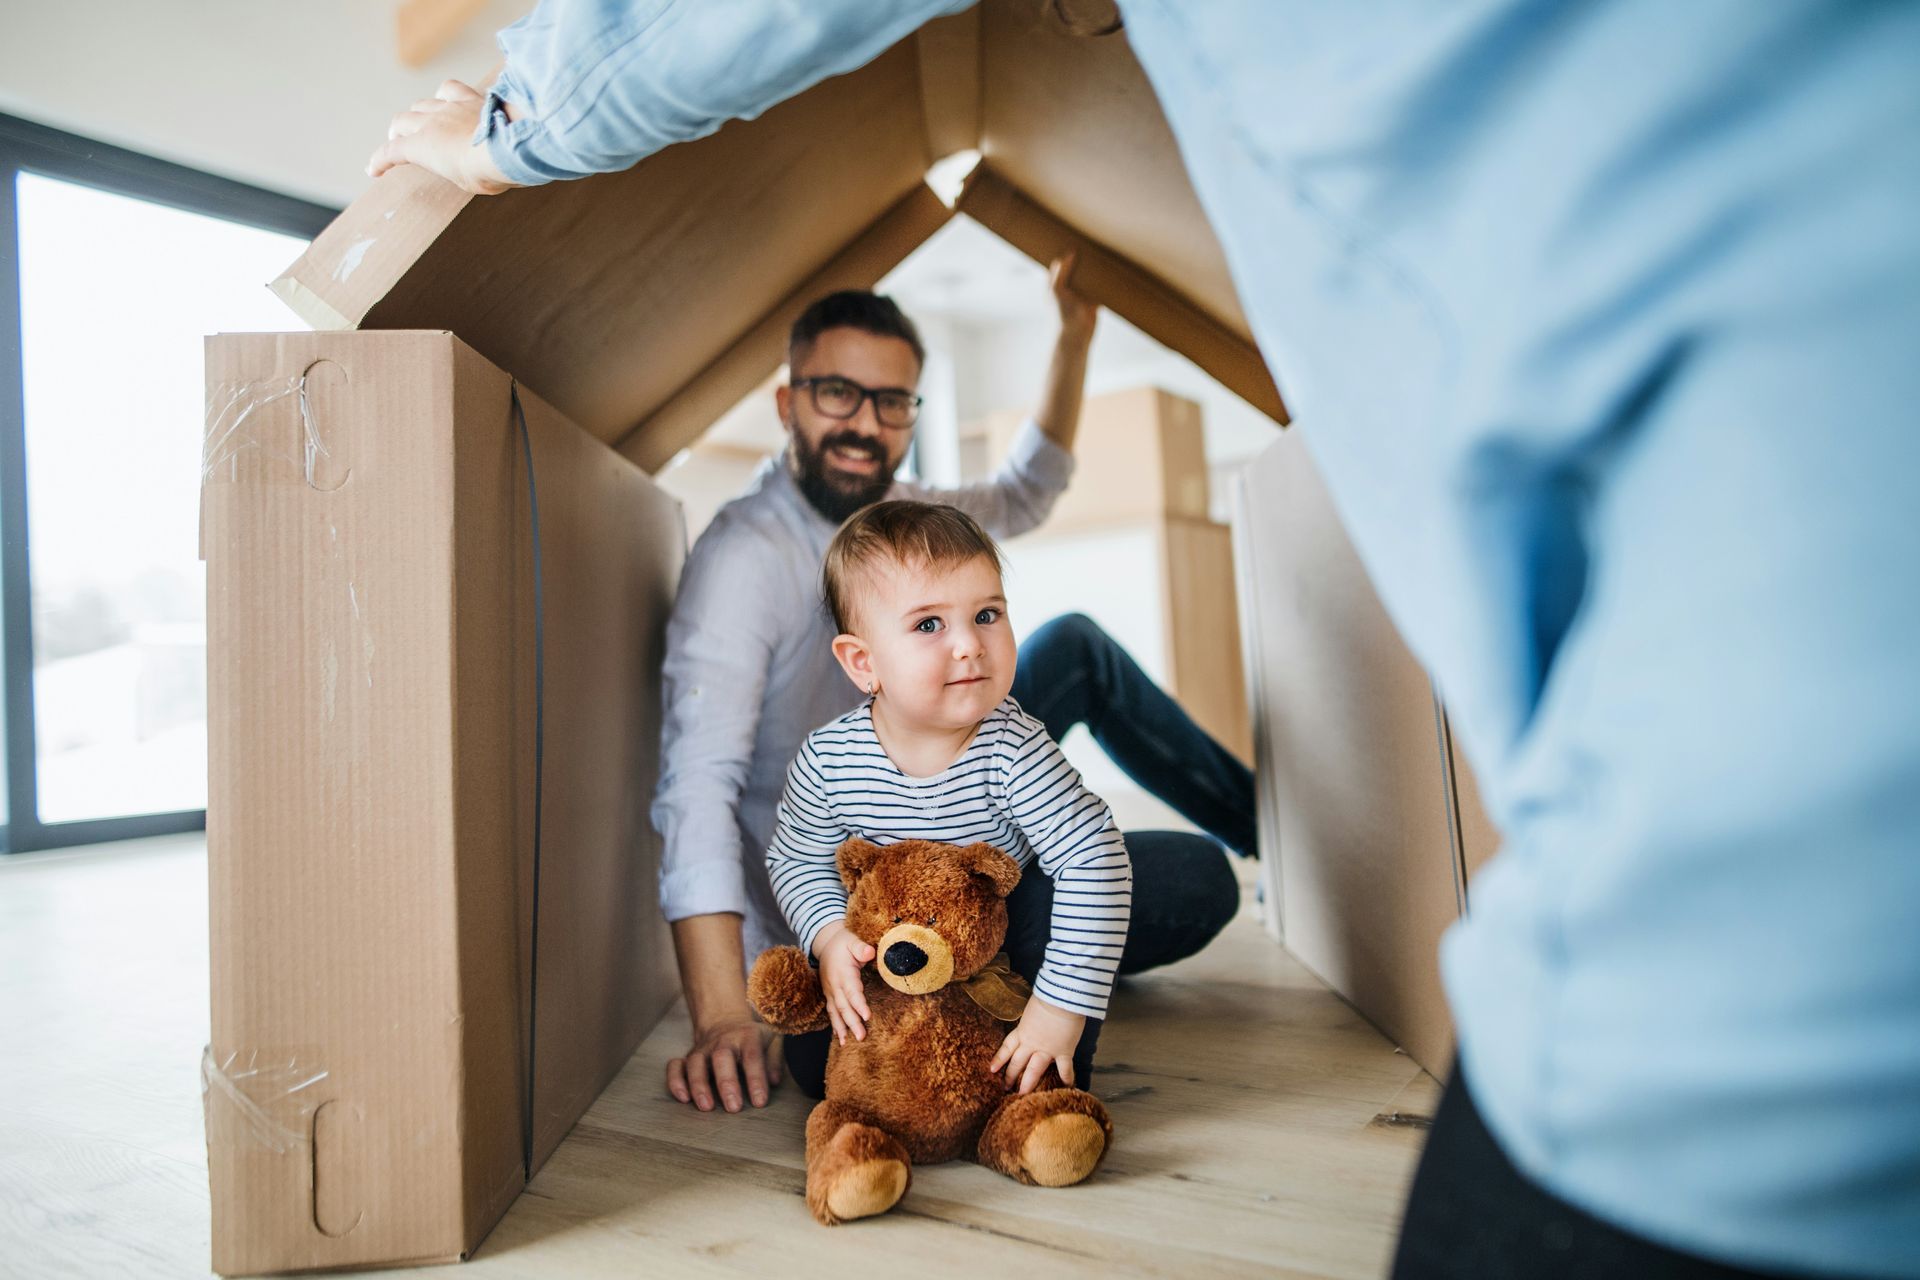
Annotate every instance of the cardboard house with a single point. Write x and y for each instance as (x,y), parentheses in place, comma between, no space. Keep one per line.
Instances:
(438,575)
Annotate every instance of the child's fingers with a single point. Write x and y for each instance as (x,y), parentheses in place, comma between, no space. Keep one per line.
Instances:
(1037,1065)
(833,1018)
(854,1026)
(1065,1067)
(1001,1054)
(1017,1063)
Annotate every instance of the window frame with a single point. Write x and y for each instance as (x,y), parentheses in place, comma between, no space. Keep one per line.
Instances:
(27,147)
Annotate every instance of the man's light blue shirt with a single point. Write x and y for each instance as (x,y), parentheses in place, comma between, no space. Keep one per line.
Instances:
(1603,322)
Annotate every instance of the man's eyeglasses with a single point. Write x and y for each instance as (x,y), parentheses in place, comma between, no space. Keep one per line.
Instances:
(841,398)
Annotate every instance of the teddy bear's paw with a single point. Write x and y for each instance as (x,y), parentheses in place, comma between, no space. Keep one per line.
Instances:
(865,1189)
(1062,1149)
(854,1169)
(1053,1138)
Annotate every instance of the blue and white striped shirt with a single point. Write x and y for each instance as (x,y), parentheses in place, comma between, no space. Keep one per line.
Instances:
(1011,788)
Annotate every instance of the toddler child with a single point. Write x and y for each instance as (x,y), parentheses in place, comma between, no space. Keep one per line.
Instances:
(939,751)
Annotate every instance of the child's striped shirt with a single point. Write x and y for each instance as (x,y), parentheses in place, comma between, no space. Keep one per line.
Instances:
(1011,788)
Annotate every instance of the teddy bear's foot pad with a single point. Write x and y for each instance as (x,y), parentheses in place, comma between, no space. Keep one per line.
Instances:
(865,1189)
(1062,1149)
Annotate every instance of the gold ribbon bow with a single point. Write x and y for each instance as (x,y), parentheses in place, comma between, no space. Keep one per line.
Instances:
(998,989)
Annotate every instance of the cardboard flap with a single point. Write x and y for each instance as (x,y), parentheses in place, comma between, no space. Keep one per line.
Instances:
(637,302)
(1073,122)
(607,294)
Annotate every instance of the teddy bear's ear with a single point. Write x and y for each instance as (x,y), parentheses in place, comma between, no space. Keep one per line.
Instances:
(1001,871)
(855,857)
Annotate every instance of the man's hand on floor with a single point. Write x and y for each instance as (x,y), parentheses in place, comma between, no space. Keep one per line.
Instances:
(720,1057)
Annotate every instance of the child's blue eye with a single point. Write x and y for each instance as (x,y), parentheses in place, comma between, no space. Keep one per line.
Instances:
(927,626)
(987,617)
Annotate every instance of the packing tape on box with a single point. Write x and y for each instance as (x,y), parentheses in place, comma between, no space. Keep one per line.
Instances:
(270,428)
(269,1093)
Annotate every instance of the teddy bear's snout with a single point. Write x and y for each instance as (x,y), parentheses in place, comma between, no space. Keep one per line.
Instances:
(905,958)
(914,959)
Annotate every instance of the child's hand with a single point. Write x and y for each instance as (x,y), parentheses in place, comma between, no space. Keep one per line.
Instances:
(1045,1034)
(841,953)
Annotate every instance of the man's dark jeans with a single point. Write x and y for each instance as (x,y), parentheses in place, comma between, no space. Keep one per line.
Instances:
(1184,892)
(1072,673)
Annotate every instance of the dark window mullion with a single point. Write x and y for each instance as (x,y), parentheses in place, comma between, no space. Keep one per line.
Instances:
(16,601)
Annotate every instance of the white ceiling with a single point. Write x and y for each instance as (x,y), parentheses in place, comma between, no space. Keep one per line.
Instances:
(286,95)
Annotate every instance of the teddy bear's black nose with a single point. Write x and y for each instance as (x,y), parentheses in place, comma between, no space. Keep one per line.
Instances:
(905,958)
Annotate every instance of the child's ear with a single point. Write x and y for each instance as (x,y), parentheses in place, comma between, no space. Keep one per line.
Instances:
(851,652)
(855,858)
(1001,871)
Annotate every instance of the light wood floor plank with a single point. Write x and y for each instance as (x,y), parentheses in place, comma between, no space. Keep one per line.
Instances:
(1262,1128)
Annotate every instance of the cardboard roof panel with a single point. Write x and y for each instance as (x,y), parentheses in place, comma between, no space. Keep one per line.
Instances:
(606,295)
(1073,122)
(643,304)
(747,362)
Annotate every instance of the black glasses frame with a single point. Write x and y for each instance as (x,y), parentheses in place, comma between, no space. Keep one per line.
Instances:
(812,388)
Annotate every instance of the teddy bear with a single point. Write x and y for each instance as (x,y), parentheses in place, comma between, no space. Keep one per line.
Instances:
(917,1089)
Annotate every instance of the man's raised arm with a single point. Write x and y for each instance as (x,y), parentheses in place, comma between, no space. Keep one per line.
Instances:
(1040,461)
(595,86)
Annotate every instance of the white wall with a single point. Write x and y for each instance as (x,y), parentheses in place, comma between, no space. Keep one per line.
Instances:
(990,309)
(286,95)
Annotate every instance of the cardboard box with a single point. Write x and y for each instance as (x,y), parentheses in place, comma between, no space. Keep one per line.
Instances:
(1370,822)
(1142,455)
(372,640)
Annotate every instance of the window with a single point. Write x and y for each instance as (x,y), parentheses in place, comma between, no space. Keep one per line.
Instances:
(112,269)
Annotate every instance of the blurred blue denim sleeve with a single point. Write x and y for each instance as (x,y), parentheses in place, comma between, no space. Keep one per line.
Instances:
(606,83)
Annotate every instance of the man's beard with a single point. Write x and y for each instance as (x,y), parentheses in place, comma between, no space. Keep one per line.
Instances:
(835,494)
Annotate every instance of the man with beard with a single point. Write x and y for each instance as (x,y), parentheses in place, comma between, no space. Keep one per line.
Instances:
(750,672)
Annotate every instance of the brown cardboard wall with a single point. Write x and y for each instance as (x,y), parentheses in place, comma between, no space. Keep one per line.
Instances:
(370,821)
(607,294)
(1356,815)
(636,302)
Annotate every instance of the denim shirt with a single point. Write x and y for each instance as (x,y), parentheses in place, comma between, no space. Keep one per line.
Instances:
(1601,321)
(607,82)
(750,673)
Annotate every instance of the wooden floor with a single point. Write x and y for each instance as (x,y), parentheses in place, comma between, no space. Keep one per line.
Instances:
(1261,1127)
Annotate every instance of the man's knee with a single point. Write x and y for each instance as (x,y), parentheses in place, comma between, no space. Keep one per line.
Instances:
(1069,630)
(1206,894)
(1222,890)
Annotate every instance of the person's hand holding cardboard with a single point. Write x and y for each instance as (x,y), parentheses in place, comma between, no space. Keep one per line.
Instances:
(437,134)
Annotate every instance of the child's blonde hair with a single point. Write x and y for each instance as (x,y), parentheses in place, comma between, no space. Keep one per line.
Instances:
(922,535)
